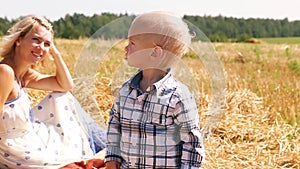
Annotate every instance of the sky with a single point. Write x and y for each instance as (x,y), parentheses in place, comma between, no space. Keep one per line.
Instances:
(56,9)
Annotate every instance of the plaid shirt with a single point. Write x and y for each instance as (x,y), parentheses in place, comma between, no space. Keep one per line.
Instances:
(155,129)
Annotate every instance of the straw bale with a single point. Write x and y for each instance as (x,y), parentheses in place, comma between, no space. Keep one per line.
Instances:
(91,100)
(249,136)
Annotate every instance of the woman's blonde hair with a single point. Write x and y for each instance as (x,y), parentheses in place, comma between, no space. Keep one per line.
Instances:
(20,29)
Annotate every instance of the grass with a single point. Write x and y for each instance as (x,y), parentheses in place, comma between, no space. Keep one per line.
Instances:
(260,126)
(282,40)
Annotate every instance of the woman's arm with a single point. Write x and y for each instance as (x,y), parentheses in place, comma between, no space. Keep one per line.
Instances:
(63,76)
(61,81)
(6,83)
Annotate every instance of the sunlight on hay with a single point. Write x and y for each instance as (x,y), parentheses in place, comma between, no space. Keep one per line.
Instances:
(251,133)
(84,91)
(248,136)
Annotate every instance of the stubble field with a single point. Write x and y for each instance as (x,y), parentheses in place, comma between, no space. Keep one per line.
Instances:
(260,125)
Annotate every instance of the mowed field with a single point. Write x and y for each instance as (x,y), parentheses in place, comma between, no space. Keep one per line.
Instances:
(260,124)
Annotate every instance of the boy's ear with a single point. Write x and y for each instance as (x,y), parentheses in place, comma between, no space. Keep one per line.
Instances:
(157,51)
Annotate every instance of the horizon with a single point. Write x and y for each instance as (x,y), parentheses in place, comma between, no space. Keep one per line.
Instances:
(204,15)
(56,9)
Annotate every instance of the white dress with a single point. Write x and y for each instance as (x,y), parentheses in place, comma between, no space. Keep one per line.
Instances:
(50,135)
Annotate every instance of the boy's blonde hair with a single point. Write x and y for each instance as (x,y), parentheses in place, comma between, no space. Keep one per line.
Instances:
(171,32)
(20,29)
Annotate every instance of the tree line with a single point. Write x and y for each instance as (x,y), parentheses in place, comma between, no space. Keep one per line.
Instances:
(216,28)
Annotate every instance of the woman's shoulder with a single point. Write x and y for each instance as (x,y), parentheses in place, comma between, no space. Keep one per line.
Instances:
(6,81)
(6,71)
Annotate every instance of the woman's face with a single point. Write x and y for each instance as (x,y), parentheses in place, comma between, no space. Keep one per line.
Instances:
(35,45)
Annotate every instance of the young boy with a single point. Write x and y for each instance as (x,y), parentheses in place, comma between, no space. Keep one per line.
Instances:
(154,122)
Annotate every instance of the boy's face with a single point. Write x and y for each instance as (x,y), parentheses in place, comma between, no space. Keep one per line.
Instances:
(138,51)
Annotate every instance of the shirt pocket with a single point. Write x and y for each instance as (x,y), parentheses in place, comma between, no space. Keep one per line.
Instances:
(160,115)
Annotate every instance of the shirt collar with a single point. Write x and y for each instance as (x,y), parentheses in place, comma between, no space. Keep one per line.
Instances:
(166,82)
(134,82)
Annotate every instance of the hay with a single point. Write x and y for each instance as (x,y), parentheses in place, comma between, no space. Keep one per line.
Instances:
(84,91)
(251,133)
(249,136)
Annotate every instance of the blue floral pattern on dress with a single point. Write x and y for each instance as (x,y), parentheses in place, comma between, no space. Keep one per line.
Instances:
(39,136)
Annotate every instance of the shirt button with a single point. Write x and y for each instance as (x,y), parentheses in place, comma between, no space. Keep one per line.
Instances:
(140,98)
(134,143)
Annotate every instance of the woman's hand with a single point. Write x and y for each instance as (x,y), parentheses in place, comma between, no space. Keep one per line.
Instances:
(63,76)
(61,81)
(54,52)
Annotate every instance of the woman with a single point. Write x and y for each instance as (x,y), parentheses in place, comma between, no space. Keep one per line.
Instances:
(57,131)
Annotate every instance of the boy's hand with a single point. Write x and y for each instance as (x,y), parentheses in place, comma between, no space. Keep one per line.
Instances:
(112,165)
(94,163)
(97,161)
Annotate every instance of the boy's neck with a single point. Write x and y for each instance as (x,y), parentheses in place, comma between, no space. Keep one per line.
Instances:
(151,76)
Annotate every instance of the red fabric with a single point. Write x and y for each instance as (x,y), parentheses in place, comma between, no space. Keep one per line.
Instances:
(90,164)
